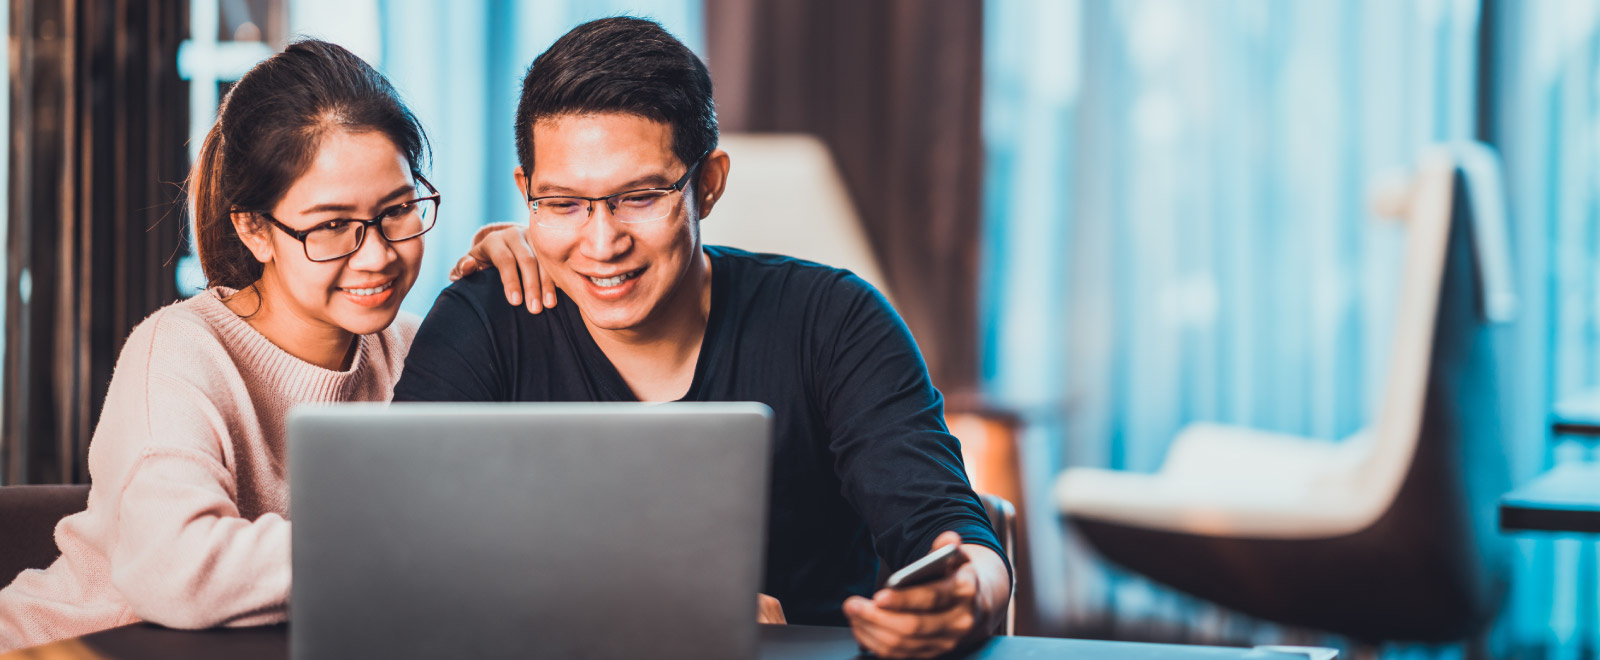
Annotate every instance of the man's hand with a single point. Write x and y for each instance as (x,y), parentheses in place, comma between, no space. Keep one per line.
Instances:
(934,618)
(505,246)
(768,610)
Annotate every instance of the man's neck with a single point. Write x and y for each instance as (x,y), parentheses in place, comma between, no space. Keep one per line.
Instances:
(657,359)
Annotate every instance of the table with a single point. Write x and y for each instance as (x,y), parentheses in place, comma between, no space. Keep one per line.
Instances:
(1567,497)
(1577,415)
(1564,499)
(148,642)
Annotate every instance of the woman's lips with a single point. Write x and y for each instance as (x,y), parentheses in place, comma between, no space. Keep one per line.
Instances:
(369,296)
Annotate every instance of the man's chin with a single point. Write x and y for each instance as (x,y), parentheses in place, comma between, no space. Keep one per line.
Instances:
(608,317)
(613,325)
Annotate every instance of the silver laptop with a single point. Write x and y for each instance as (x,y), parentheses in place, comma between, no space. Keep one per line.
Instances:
(527,530)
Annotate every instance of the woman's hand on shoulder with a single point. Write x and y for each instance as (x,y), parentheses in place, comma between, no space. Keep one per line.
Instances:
(505,246)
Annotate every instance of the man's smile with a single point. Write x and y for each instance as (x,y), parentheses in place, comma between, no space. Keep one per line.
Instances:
(613,280)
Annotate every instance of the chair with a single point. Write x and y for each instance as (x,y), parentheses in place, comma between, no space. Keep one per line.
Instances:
(28,517)
(1390,534)
(1003,518)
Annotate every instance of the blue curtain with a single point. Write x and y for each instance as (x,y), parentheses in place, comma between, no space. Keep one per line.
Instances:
(1547,124)
(459,66)
(1176,222)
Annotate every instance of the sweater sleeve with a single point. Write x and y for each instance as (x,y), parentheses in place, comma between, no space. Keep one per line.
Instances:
(899,466)
(183,557)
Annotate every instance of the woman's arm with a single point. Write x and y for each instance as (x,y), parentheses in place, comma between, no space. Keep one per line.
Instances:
(183,556)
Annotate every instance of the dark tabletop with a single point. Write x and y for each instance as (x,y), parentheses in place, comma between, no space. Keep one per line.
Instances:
(1565,499)
(1577,415)
(148,642)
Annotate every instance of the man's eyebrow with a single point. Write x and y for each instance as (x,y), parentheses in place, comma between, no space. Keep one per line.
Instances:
(334,207)
(647,181)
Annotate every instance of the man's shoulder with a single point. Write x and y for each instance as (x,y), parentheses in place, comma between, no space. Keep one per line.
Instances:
(784,294)
(763,272)
(484,293)
(477,289)
(476,306)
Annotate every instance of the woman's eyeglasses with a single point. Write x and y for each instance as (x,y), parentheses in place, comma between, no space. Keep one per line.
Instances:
(338,238)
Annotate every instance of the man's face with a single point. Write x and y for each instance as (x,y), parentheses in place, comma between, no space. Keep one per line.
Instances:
(621,275)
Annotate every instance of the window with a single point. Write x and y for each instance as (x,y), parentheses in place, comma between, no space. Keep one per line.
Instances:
(1176,222)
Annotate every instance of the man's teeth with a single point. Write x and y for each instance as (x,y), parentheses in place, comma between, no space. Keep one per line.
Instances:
(372,291)
(613,281)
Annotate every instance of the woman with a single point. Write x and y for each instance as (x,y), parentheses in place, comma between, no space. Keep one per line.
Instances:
(309,203)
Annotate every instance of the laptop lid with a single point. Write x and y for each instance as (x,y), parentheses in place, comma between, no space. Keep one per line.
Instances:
(528,530)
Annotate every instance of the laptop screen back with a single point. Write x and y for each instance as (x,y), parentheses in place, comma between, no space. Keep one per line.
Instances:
(527,530)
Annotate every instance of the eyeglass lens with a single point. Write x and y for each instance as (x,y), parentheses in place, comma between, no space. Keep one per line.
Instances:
(632,208)
(400,222)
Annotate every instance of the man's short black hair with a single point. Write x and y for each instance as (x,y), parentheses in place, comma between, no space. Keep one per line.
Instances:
(620,65)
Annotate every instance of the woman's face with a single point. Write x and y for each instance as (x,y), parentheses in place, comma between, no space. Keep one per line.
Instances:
(354,176)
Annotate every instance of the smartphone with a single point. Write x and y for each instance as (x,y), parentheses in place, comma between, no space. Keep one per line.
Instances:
(936,565)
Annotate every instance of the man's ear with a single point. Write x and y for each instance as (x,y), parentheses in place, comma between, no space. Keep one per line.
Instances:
(713,179)
(521,179)
(255,235)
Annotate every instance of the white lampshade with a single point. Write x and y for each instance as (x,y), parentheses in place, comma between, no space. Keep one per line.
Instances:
(785,196)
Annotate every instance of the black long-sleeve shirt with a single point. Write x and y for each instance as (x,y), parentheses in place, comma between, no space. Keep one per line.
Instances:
(862,462)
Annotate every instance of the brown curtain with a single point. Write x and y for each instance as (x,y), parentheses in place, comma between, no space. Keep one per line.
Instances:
(894,88)
(99,119)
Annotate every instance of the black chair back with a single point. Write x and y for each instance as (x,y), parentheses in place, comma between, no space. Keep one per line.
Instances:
(28,517)
(1432,567)
(1003,518)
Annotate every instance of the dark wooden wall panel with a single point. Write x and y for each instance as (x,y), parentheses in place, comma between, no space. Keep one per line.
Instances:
(99,122)
(894,87)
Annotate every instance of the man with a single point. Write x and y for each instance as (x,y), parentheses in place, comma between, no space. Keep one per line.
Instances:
(616,136)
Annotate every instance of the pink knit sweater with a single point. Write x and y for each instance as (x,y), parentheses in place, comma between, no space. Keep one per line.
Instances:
(187,524)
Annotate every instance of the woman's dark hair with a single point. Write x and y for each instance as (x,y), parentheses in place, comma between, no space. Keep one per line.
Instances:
(621,64)
(267,134)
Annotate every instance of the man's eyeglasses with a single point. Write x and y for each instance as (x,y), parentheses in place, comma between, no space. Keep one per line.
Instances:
(630,206)
(338,238)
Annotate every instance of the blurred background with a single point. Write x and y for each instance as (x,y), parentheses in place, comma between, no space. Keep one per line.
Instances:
(1104,220)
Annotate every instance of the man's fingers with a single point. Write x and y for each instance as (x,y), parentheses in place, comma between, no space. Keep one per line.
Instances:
(953,624)
(939,595)
(885,636)
(880,642)
(930,597)
(874,637)
(902,624)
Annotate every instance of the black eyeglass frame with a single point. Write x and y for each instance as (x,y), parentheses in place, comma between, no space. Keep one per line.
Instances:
(361,239)
(677,186)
